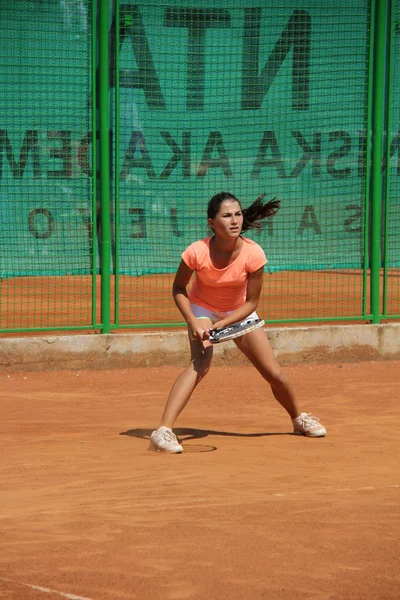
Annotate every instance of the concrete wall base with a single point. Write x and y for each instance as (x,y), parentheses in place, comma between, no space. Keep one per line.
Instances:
(294,345)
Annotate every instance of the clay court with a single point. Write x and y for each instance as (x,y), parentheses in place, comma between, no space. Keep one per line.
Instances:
(120,120)
(247,511)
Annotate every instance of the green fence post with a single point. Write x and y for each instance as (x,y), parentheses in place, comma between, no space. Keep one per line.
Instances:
(387,171)
(376,153)
(94,163)
(368,171)
(104,153)
(116,159)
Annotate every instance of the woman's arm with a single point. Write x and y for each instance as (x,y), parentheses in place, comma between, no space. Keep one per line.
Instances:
(182,278)
(182,301)
(254,287)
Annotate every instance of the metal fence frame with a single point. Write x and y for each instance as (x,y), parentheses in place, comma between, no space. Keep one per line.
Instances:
(380,79)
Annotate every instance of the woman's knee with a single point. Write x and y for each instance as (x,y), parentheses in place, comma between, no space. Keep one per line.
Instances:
(201,364)
(275,376)
(201,369)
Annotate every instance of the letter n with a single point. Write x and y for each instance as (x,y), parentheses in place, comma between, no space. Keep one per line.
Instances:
(296,35)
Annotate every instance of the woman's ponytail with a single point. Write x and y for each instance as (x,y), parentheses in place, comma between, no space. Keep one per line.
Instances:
(258,211)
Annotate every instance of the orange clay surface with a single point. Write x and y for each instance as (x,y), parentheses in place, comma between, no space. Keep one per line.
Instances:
(248,511)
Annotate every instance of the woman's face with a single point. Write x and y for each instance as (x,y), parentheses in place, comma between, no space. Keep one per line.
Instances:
(228,222)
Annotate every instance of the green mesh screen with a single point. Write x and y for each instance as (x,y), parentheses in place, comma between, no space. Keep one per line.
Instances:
(249,100)
(205,97)
(393,211)
(45,191)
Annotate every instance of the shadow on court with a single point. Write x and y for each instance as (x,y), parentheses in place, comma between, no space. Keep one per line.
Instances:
(187,433)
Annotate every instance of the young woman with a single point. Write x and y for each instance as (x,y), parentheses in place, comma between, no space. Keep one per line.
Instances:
(226,290)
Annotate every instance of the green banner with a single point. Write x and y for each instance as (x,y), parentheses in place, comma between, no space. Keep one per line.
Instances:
(229,96)
(248,100)
(45,98)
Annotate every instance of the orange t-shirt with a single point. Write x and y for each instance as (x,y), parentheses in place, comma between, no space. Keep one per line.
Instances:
(221,289)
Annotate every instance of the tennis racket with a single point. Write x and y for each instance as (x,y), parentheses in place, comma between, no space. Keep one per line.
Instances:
(233,331)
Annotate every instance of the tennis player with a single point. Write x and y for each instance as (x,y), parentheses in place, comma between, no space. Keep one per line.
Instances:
(226,289)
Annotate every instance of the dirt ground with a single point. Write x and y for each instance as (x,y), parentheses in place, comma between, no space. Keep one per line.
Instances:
(248,511)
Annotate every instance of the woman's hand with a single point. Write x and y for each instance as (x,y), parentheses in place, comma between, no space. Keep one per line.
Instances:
(217,325)
(198,332)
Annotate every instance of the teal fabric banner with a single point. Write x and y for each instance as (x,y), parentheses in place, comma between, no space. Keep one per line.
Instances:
(229,96)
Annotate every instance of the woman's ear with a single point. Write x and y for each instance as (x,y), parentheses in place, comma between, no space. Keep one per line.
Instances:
(211,223)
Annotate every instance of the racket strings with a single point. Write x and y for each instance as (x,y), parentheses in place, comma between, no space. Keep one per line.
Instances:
(234,327)
(235,330)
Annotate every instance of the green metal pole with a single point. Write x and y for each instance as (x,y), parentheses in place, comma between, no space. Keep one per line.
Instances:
(376,153)
(388,134)
(104,154)
(368,141)
(94,164)
(116,160)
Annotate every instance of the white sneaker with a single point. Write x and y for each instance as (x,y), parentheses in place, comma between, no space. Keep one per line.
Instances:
(308,425)
(163,439)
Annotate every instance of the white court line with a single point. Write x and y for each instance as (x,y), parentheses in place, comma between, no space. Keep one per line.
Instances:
(46,590)
(365,488)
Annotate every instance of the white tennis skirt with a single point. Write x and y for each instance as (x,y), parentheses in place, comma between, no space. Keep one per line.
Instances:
(203,313)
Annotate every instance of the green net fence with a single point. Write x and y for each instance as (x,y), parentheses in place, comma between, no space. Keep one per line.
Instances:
(227,96)
(46,247)
(248,100)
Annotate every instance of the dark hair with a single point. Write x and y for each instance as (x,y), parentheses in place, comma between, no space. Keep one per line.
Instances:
(252,215)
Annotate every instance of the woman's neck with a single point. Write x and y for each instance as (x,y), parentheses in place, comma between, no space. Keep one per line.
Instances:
(226,245)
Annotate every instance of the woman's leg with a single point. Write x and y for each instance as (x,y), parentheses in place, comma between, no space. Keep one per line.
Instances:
(185,384)
(256,347)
